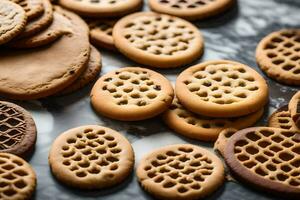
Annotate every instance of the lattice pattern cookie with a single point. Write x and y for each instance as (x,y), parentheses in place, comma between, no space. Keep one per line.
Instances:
(33,8)
(180,172)
(158,40)
(268,158)
(91,157)
(278,54)
(294,108)
(222,140)
(221,89)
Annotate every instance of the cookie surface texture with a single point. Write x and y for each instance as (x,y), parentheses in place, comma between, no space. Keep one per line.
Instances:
(221,88)
(91,157)
(132,93)
(33,8)
(222,140)
(181,171)
(278,55)
(158,40)
(294,108)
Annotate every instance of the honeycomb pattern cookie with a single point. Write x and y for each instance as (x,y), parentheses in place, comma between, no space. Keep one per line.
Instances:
(158,40)
(278,55)
(180,172)
(131,93)
(91,157)
(33,8)
(222,140)
(294,108)
(221,88)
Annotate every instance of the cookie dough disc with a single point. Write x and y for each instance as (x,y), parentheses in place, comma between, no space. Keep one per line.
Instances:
(267,158)
(190,9)
(158,40)
(278,55)
(41,72)
(222,140)
(221,88)
(91,157)
(131,94)
(201,127)
(17,178)
(294,108)
(12,20)
(180,172)
(33,8)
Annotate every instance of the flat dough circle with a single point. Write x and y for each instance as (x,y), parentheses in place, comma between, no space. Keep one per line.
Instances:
(294,108)
(158,40)
(180,172)
(221,88)
(41,72)
(91,157)
(131,93)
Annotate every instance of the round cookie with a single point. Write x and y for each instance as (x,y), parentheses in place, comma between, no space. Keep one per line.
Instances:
(180,172)
(191,9)
(294,108)
(131,94)
(33,8)
(158,40)
(278,55)
(41,72)
(221,88)
(201,127)
(17,178)
(222,140)
(267,158)
(12,20)
(91,157)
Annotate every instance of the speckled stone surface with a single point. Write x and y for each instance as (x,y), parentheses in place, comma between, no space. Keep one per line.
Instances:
(232,35)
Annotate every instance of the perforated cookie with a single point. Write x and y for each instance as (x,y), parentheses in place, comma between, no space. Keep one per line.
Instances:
(17,178)
(222,140)
(158,40)
(33,8)
(180,172)
(132,93)
(278,55)
(268,158)
(221,88)
(91,157)
(294,108)
(190,9)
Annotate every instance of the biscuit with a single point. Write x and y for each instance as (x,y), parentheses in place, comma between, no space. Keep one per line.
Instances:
(222,140)
(278,55)
(201,127)
(294,108)
(158,40)
(91,157)
(33,8)
(266,158)
(221,88)
(131,94)
(180,172)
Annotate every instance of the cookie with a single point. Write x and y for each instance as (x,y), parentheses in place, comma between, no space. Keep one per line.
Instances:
(221,88)
(158,40)
(17,129)
(41,72)
(102,8)
(201,127)
(33,8)
(17,178)
(12,20)
(278,55)
(180,172)
(294,108)
(191,9)
(267,158)
(91,157)
(131,94)
(222,140)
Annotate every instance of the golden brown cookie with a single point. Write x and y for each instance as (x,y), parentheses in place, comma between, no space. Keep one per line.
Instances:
(180,172)
(222,140)
(221,88)
(33,8)
(201,127)
(91,157)
(132,93)
(158,40)
(294,108)
(190,9)
(278,55)
(17,178)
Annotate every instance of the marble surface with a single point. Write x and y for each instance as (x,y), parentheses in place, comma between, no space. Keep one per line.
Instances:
(232,35)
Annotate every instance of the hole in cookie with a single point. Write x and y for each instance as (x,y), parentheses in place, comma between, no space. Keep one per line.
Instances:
(261,159)
(288,67)
(207,83)
(241,143)
(252,136)
(263,144)
(286,168)
(101,151)
(278,61)
(271,55)
(233,76)
(260,171)
(243,158)
(151,95)
(266,133)
(287,144)
(185,149)
(142,103)
(103,163)
(81,174)
(112,159)
(159,179)
(286,156)
(161,157)
(182,189)
(296,163)
(270,46)
(288,44)
(202,94)
(84,164)
(123,102)
(294,183)
(115,151)
(20,184)
(252,150)
(282,177)
(176,166)
(169,184)
(250,164)
(9,192)
(277,139)
(114,167)
(67,163)
(113,144)
(275,149)
(151,174)
(94,171)
(71,140)
(288,134)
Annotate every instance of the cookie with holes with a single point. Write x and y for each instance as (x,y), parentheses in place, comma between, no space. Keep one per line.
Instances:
(201,127)
(17,129)
(221,88)
(91,157)
(294,108)
(191,9)
(180,171)
(278,55)
(33,8)
(132,93)
(158,40)
(222,140)
(266,158)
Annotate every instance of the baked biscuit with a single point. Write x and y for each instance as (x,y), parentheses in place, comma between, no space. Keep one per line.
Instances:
(294,108)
